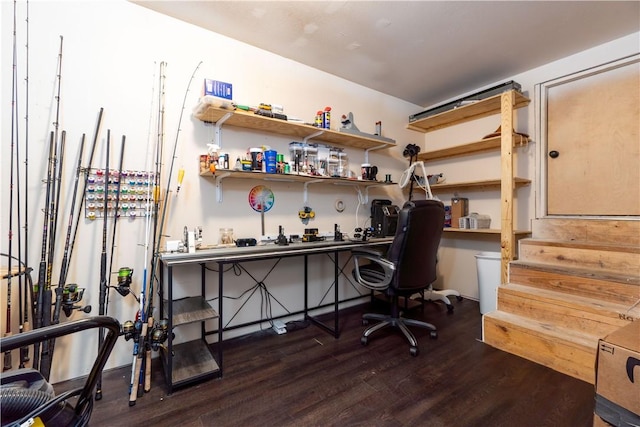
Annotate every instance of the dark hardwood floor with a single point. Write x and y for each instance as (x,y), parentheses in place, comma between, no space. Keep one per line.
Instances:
(308,378)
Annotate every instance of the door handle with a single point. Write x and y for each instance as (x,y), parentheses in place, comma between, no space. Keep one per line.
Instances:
(553,154)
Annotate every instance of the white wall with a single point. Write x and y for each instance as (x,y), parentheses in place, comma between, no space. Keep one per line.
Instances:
(111,55)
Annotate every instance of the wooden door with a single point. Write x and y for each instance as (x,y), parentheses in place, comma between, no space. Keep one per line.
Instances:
(593,142)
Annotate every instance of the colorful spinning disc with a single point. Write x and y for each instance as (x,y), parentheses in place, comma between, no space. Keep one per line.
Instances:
(259,196)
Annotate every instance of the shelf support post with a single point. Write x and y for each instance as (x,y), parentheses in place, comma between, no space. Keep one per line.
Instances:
(507,240)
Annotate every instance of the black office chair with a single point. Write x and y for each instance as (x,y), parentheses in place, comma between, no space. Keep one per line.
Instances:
(25,394)
(408,267)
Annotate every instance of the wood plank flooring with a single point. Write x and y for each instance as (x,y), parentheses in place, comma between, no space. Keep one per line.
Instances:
(308,378)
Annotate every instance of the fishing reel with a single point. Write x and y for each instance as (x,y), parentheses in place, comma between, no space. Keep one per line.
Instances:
(72,295)
(124,281)
(132,329)
(129,330)
(158,335)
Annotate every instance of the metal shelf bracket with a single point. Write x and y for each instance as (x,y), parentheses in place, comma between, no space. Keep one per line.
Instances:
(219,179)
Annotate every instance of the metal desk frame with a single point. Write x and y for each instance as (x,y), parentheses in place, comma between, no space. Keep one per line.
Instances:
(233,255)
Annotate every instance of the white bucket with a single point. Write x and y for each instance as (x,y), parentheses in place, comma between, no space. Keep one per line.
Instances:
(488,264)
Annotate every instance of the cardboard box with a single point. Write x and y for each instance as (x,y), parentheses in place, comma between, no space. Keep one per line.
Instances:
(599,422)
(618,376)
(459,208)
(219,89)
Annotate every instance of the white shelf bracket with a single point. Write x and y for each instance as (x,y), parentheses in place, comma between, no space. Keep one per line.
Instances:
(219,179)
(313,135)
(217,132)
(363,200)
(305,191)
(366,192)
(366,152)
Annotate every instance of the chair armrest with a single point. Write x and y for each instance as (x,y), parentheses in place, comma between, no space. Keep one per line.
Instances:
(387,267)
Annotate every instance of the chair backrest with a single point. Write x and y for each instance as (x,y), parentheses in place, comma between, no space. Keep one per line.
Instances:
(415,245)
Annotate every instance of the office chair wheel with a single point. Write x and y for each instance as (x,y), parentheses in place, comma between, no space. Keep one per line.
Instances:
(449,308)
(364,340)
(433,335)
(414,351)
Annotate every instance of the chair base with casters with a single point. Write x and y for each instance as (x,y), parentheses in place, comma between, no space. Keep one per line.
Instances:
(443,295)
(396,320)
(25,393)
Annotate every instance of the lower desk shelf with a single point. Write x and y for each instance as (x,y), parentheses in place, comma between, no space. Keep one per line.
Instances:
(192,361)
(189,310)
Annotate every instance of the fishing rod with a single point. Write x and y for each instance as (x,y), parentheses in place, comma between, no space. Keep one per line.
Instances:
(86,170)
(45,359)
(103,261)
(27,285)
(156,196)
(64,267)
(60,289)
(22,293)
(116,215)
(42,270)
(159,227)
(141,379)
(137,374)
(7,354)
(158,170)
(156,250)
(45,356)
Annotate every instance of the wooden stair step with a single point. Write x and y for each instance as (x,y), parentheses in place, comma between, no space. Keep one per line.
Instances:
(625,232)
(597,256)
(562,349)
(587,315)
(603,285)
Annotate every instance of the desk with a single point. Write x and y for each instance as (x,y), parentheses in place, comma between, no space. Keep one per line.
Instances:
(193,361)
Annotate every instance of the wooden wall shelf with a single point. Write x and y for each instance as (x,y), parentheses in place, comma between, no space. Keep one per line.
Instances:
(298,131)
(484,145)
(488,184)
(494,231)
(226,173)
(222,174)
(484,108)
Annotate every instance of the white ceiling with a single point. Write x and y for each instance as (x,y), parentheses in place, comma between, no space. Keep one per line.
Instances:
(421,51)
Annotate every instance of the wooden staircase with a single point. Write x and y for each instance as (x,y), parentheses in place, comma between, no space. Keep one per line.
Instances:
(576,281)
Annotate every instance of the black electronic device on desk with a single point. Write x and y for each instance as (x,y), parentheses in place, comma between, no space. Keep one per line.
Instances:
(384,218)
(311,235)
(243,243)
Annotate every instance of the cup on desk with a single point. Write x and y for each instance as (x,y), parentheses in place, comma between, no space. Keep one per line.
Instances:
(368,172)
